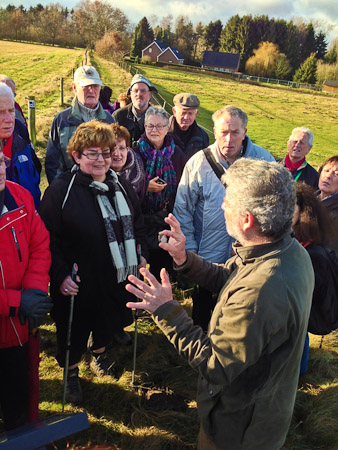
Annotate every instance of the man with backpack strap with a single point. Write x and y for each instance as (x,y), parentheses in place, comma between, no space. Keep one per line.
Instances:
(200,194)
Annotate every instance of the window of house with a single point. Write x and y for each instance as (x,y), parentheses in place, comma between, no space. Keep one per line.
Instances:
(150,50)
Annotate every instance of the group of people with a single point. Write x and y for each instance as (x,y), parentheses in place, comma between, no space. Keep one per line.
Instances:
(136,187)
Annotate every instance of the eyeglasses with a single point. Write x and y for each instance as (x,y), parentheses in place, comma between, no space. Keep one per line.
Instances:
(94,156)
(139,91)
(5,161)
(121,148)
(158,127)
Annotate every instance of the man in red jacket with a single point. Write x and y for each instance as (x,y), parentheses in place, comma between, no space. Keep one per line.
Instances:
(24,302)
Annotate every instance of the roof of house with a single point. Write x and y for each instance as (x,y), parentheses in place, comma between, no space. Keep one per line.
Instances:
(158,43)
(331,83)
(221,59)
(174,50)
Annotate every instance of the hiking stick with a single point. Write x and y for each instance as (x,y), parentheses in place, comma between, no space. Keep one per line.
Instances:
(138,249)
(71,309)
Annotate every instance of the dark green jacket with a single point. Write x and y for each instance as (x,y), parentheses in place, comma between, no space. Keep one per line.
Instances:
(249,361)
(63,128)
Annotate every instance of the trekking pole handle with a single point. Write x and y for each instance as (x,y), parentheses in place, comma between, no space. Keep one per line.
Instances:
(74,272)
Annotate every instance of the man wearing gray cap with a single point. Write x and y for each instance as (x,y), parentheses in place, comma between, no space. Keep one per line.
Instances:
(85,107)
(132,115)
(182,125)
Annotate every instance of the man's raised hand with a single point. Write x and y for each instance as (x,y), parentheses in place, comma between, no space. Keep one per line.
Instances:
(176,243)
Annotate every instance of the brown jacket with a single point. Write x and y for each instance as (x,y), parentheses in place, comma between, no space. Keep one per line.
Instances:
(249,362)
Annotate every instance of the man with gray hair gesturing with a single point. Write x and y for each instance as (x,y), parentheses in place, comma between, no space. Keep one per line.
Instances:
(248,363)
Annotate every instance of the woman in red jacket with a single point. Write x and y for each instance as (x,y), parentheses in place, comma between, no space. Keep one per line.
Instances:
(24,265)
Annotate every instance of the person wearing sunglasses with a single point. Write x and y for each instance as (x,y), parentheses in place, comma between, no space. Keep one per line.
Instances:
(94,219)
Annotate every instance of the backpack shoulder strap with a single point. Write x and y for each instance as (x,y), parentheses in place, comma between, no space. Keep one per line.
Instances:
(216,167)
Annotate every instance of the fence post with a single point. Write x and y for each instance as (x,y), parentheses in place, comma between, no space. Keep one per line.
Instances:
(164,104)
(31,118)
(61,91)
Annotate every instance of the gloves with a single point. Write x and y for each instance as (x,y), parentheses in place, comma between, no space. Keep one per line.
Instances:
(35,304)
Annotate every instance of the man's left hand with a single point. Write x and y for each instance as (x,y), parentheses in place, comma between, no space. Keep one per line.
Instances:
(153,294)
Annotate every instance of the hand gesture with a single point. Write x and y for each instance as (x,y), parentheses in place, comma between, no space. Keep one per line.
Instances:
(152,294)
(176,244)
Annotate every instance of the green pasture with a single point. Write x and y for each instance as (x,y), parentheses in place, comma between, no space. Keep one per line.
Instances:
(273,111)
(160,412)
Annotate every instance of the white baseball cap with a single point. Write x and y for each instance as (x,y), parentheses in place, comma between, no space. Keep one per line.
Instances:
(87,75)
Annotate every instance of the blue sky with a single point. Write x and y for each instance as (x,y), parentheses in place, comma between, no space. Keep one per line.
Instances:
(325,11)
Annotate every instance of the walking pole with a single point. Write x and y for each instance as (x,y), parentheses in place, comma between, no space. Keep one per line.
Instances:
(71,309)
(138,249)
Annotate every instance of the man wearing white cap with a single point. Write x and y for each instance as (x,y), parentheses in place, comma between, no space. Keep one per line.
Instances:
(132,115)
(85,107)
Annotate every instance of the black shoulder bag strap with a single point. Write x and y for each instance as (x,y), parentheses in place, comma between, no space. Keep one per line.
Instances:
(216,167)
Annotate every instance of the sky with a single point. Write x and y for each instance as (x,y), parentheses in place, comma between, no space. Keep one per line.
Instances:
(325,11)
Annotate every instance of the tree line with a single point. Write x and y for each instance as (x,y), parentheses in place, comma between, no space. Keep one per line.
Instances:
(270,47)
(54,24)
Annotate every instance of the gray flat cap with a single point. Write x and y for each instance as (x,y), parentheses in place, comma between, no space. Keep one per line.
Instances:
(186,100)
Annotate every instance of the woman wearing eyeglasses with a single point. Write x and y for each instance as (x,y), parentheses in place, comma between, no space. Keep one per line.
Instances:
(126,163)
(163,162)
(94,219)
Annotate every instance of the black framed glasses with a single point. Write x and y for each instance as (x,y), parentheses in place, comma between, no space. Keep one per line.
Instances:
(6,161)
(157,127)
(94,156)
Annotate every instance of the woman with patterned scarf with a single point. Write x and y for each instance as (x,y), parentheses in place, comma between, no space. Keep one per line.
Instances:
(94,219)
(163,163)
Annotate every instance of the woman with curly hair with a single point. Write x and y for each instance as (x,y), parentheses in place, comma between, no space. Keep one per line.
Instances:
(94,219)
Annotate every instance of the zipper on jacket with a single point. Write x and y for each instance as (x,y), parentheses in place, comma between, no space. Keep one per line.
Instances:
(3,284)
(16,243)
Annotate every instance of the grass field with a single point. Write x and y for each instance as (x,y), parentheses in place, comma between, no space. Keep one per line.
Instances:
(273,111)
(160,413)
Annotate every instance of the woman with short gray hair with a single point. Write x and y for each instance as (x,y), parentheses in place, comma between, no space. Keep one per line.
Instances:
(163,163)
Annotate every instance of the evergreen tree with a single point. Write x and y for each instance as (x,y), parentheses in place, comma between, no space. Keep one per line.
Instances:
(321,45)
(228,41)
(307,71)
(143,36)
(245,39)
(212,34)
(308,45)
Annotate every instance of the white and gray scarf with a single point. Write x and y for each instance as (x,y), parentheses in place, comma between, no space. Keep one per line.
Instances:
(124,253)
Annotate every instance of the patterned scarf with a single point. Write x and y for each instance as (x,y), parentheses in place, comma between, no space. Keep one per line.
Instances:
(159,164)
(124,253)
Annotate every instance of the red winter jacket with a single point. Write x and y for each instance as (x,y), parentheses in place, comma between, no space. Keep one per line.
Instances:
(24,260)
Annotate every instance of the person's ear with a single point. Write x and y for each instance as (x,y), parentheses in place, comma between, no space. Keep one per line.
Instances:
(76,157)
(247,221)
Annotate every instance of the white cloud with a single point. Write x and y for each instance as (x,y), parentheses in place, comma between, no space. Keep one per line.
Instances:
(206,11)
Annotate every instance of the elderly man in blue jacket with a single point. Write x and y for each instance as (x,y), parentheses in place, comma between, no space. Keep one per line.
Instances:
(200,195)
